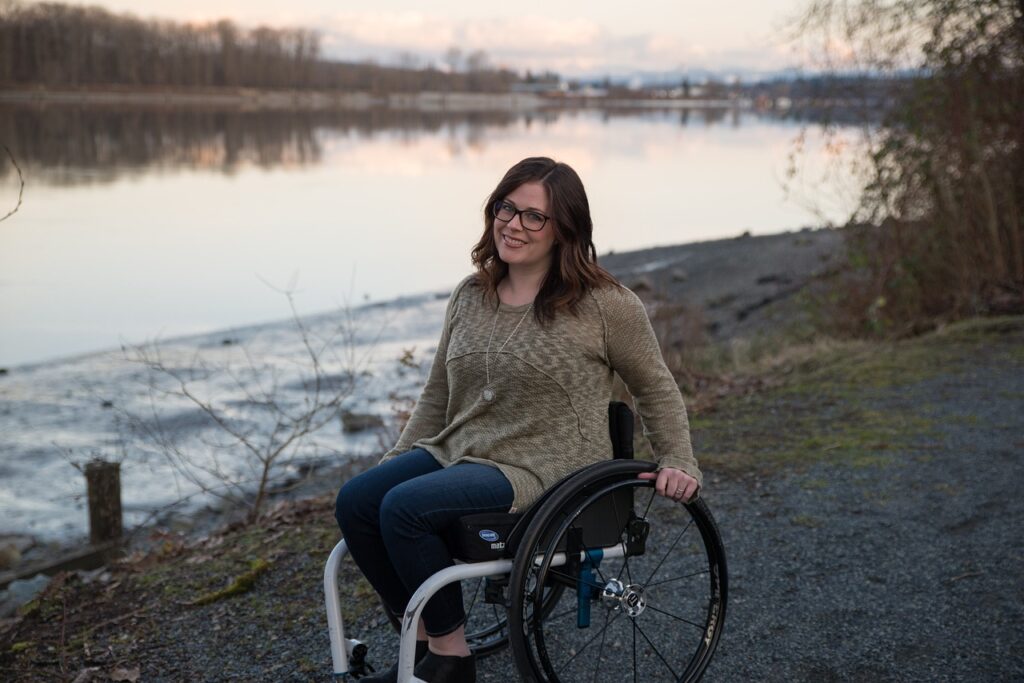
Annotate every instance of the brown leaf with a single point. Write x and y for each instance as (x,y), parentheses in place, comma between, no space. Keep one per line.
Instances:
(86,675)
(129,675)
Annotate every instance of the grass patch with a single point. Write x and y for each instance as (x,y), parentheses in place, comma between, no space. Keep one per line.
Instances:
(241,584)
(845,402)
(807,521)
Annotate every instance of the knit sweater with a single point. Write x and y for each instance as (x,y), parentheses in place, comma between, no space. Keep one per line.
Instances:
(549,389)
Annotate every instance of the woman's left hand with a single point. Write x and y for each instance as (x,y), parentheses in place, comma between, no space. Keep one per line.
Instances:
(672,483)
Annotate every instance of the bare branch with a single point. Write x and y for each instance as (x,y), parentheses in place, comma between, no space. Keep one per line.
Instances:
(21,183)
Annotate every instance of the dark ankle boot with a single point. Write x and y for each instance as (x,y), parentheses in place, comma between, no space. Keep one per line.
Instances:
(391,675)
(437,668)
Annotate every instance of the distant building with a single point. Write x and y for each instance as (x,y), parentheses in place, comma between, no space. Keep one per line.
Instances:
(543,88)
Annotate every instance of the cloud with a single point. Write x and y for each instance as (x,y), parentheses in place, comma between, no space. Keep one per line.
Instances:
(571,46)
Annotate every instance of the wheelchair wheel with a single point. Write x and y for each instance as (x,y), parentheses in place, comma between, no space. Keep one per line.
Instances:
(487,623)
(644,594)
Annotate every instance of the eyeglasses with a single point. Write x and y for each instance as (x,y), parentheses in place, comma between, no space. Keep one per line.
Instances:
(530,220)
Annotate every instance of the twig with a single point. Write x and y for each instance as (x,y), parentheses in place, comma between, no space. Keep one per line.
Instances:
(110,622)
(21,187)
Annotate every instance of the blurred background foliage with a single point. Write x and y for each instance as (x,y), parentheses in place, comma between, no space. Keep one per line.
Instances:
(938,234)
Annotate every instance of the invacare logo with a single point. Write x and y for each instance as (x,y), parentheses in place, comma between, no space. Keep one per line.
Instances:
(492,538)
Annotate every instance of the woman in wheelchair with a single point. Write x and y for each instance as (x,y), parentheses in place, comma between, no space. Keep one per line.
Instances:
(516,399)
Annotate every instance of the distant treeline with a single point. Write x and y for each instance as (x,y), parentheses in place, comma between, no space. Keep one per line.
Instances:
(59,45)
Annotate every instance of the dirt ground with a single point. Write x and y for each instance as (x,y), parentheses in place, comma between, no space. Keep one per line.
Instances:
(868,496)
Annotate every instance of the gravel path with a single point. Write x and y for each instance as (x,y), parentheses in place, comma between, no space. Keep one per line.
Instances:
(890,555)
(904,567)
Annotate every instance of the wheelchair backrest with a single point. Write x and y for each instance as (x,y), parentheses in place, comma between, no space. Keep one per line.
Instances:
(620,429)
(488,536)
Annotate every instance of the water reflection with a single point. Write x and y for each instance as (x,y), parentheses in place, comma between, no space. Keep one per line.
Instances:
(142,222)
(73,145)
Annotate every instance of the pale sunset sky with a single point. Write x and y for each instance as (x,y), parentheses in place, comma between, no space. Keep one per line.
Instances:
(572,37)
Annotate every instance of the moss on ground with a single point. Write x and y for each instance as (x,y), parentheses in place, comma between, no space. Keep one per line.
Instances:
(845,404)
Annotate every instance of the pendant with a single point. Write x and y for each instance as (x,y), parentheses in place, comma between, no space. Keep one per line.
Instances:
(488,395)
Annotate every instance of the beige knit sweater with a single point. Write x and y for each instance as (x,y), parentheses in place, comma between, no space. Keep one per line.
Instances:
(551,386)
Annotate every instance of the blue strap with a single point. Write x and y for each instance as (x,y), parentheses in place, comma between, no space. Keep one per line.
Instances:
(586,585)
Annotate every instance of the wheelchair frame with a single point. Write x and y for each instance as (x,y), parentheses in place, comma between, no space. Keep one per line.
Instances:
(567,499)
(537,550)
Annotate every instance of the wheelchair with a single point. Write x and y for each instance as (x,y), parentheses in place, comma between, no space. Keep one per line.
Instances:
(599,578)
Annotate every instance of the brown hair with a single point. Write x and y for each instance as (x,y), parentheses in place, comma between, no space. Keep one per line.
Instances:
(574,268)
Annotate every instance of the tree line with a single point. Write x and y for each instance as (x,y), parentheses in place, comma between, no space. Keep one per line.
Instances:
(58,45)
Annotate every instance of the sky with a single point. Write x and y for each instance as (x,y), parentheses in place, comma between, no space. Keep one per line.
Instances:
(572,37)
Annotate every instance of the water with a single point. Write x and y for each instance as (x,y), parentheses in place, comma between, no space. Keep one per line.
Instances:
(153,225)
(147,223)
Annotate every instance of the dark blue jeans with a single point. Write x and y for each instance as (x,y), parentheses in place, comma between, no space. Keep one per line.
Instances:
(392,517)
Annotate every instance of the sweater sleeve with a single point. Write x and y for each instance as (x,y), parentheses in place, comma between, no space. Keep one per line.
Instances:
(430,414)
(634,353)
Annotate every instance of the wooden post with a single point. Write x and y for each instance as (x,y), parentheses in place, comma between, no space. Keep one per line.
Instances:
(103,485)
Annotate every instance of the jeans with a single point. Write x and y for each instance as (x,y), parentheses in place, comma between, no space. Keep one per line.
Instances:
(392,517)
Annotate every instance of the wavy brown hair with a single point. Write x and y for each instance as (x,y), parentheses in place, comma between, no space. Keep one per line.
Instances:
(574,268)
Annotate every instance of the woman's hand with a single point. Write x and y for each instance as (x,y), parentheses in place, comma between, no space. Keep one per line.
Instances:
(672,483)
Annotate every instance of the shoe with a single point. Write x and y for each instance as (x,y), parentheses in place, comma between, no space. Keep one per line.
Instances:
(437,668)
(391,675)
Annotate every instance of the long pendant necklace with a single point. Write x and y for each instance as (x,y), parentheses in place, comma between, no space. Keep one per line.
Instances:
(488,393)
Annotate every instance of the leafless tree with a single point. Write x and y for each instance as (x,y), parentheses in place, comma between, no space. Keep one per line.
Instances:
(256,420)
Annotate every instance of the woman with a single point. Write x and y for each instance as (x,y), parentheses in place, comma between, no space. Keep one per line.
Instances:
(516,398)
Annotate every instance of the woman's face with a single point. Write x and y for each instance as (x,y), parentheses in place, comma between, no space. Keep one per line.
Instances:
(521,248)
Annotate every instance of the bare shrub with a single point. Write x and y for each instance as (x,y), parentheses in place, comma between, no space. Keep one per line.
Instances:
(256,419)
(941,228)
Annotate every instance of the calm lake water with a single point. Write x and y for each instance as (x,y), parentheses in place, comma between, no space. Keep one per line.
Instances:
(151,224)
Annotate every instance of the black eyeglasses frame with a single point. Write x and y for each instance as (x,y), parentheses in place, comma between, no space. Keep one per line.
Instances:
(500,203)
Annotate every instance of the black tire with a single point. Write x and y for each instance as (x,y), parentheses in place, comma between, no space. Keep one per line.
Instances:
(670,637)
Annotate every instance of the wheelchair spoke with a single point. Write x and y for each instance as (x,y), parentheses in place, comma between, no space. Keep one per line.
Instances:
(603,630)
(650,502)
(576,579)
(678,578)
(600,647)
(500,620)
(598,567)
(654,647)
(634,651)
(672,616)
(555,617)
(472,601)
(668,552)
(625,563)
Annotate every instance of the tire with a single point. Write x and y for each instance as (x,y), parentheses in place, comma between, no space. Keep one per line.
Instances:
(660,622)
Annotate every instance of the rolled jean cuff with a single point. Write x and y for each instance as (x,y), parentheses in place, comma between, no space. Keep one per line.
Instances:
(444,632)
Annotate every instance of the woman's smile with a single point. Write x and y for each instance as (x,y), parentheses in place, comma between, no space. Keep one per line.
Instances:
(512,241)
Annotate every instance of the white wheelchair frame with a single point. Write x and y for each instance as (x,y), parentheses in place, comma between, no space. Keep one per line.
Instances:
(341,649)
(536,521)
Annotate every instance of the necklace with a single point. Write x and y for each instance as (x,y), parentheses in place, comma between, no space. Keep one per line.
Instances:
(488,393)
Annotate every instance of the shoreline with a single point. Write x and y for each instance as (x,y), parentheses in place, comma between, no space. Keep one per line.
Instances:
(743,286)
(689,271)
(316,100)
